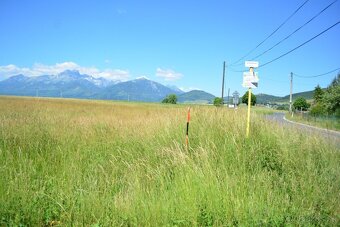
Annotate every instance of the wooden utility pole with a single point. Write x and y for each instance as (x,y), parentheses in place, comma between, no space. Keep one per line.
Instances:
(291,91)
(223,82)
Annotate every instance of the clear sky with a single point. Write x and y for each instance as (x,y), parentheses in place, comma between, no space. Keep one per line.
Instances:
(182,43)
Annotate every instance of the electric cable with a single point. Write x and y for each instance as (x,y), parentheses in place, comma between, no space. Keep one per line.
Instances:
(322,74)
(310,20)
(251,51)
(277,58)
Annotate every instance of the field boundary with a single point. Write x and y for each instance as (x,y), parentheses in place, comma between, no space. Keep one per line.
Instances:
(310,126)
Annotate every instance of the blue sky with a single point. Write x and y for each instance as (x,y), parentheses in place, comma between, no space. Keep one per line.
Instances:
(182,43)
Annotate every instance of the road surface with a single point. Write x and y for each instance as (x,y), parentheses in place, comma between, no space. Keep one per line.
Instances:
(330,135)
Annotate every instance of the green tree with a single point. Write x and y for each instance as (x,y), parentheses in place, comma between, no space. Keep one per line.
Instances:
(218,101)
(331,97)
(301,104)
(172,99)
(318,93)
(245,98)
(317,110)
(165,100)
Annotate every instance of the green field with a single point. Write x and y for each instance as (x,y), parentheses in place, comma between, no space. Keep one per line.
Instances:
(77,162)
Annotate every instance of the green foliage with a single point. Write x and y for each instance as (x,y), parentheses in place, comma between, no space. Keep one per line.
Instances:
(245,98)
(301,104)
(317,110)
(218,101)
(318,93)
(331,97)
(172,99)
(282,107)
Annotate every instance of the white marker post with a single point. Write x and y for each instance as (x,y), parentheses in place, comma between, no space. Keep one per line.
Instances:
(250,80)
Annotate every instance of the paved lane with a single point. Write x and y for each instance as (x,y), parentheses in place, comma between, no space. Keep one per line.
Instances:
(331,135)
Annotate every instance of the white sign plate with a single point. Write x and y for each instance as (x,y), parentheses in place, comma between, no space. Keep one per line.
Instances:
(250,80)
(251,64)
(250,85)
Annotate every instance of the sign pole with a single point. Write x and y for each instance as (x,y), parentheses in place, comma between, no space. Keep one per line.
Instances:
(251,70)
(250,80)
(248,117)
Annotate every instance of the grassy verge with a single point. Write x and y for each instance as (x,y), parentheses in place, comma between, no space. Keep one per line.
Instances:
(261,110)
(73,162)
(265,110)
(331,123)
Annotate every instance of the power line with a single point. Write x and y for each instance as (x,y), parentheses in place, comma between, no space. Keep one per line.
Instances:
(299,45)
(272,32)
(322,74)
(235,70)
(310,20)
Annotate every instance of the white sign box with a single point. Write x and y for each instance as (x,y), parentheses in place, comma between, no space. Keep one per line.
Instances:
(250,80)
(251,64)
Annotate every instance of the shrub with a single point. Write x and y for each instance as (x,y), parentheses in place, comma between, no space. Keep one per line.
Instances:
(318,93)
(245,98)
(172,99)
(301,104)
(317,110)
(218,101)
(331,97)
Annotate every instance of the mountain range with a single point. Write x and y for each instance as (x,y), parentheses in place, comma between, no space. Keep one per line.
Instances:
(264,98)
(72,84)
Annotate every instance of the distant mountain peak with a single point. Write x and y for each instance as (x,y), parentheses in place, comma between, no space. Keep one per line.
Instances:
(175,88)
(142,78)
(71,73)
(19,76)
(196,96)
(197,90)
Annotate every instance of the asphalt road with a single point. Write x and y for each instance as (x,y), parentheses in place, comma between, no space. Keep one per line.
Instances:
(330,135)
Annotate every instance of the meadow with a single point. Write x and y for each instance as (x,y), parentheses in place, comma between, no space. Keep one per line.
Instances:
(101,163)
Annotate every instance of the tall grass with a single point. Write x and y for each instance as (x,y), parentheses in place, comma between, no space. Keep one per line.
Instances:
(72,162)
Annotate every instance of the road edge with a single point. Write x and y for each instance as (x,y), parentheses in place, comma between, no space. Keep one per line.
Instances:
(310,126)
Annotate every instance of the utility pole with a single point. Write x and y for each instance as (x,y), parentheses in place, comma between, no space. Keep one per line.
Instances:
(223,82)
(291,91)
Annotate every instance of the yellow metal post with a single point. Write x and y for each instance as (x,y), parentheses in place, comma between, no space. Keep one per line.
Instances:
(249,104)
(248,118)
